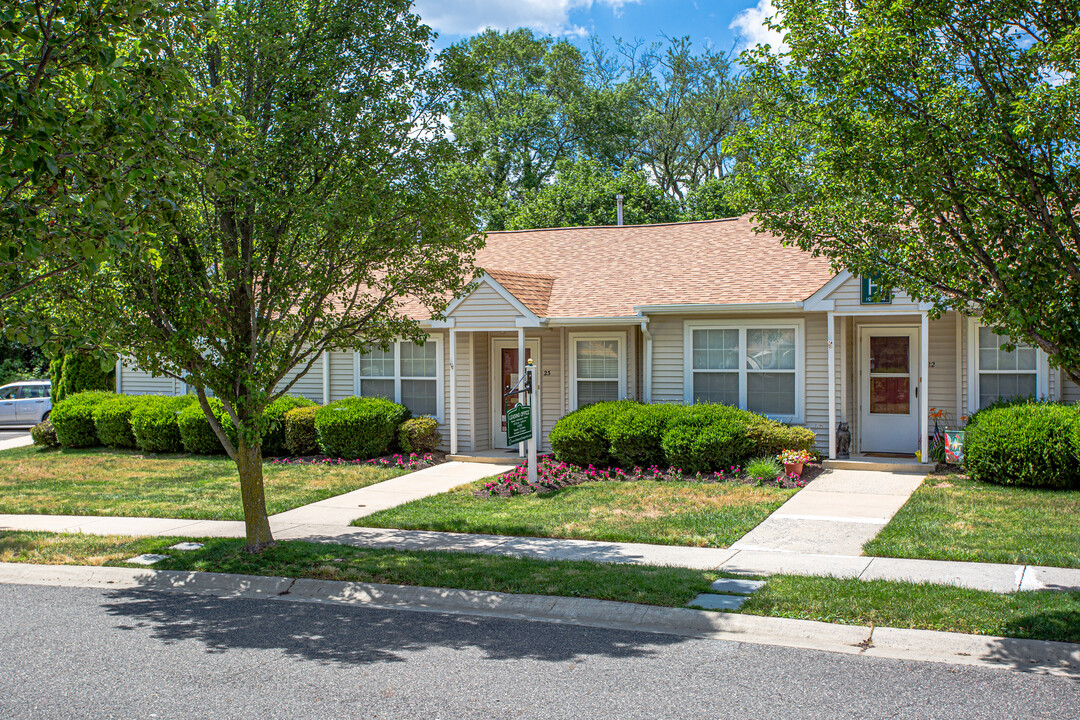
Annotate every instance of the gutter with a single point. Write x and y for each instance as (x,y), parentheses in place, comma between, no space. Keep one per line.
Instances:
(714,308)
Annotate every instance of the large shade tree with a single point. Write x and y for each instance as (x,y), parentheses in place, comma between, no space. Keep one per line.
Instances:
(92,93)
(307,225)
(934,141)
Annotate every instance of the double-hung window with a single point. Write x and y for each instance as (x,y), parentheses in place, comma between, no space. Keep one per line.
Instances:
(598,368)
(404,372)
(756,366)
(1003,374)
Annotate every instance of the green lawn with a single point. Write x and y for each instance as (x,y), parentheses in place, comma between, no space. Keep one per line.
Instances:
(953,518)
(647,511)
(120,482)
(1042,615)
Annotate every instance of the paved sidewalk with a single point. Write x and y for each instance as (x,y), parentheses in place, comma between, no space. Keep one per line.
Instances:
(16,442)
(834,514)
(343,509)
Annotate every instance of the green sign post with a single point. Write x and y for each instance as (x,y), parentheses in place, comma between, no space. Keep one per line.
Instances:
(518,424)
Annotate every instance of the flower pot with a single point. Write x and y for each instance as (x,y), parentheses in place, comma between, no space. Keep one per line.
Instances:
(793,469)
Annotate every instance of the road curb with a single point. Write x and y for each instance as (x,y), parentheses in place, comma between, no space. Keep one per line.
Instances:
(921,645)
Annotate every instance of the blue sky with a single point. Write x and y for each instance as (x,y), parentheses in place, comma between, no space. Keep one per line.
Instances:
(724,24)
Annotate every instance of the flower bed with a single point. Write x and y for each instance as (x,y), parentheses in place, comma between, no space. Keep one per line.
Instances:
(554,475)
(412,461)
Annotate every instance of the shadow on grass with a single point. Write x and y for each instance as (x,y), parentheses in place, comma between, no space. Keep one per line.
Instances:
(349,635)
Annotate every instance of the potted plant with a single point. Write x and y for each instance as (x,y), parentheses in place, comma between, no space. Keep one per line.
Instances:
(793,461)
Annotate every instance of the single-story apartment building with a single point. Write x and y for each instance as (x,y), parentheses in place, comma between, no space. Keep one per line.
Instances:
(681,313)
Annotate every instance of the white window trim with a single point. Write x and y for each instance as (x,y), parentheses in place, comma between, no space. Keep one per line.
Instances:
(796,324)
(573,340)
(440,398)
(1042,367)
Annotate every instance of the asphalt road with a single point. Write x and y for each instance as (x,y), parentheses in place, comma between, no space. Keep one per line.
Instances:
(76,653)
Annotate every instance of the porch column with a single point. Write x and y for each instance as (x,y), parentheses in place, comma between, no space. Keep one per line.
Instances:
(453,393)
(326,377)
(832,385)
(924,388)
(521,374)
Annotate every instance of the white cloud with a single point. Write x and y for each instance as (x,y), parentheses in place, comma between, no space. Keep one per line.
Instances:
(466,17)
(750,28)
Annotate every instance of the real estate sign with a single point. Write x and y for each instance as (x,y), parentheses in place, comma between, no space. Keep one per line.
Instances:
(518,424)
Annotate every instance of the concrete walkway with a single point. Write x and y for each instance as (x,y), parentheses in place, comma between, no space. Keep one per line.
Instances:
(16,442)
(834,514)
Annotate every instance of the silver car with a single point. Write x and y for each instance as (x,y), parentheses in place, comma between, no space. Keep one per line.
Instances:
(25,403)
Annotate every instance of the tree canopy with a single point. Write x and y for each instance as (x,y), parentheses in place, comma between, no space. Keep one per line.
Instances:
(331,197)
(935,143)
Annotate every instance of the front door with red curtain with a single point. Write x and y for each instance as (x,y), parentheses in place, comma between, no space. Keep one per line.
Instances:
(508,361)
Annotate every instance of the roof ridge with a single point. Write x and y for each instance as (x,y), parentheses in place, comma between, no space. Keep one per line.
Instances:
(538,276)
(615,227)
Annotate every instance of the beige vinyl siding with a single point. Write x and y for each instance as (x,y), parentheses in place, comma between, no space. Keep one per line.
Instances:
(816,407)
(482,390)
(137,382)
(667,381)
(485,308)
(310,385)
(848,298)
(942,356)
(342,375)
(1070,391)
(464,393)
(551,385)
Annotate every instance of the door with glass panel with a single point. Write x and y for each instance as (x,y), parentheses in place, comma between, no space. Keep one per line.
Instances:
(505,374)
(889,396)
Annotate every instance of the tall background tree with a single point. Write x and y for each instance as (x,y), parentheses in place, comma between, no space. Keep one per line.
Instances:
(937,143)
(91,93)
(305,224)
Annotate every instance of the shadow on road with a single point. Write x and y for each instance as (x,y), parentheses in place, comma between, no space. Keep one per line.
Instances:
(359,636)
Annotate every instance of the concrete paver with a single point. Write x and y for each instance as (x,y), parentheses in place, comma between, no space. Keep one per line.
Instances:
(808,535)
(709,601)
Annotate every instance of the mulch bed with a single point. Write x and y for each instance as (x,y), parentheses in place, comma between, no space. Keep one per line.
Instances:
(554,476)
(415,461)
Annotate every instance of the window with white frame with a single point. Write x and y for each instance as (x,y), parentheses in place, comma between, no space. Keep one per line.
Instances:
(1004,374)
(598,368)
(756,366)
(404,372)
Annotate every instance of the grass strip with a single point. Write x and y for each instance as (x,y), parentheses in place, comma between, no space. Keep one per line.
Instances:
(646,511)
(101,481)
(1043,615)
(955,518)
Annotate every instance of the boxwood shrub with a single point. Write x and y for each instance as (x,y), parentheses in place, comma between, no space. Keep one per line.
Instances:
(112,420)
(273,441)
(358,427)
(636,434)
(300,437)
(1030,444)
(44,434)
(73,418)
(708,437)
(196,435)
(694,438)
(154,423)
(583,436)
(419,435)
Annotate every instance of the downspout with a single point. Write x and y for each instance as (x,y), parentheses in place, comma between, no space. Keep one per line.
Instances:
(648,359)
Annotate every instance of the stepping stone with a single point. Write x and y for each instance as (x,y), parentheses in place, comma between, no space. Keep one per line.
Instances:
(709,601)
(147,559)
(186,546)
(737,586)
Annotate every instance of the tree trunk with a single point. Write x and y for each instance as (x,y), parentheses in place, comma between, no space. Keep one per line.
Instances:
(257,524)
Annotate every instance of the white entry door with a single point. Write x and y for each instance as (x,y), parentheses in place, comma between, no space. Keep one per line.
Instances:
(505,375)
(889,389)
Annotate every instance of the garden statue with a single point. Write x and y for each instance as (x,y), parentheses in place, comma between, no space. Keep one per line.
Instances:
(843,440)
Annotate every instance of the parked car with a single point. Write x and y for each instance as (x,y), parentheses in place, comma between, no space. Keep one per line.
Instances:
(25,403)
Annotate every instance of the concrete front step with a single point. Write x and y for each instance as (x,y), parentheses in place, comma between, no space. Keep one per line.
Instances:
(491,460)
(879,465)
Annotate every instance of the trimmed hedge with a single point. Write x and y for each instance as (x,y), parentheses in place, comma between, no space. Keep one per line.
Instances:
(694,438)
(419,435)
(44,434)
(358,427)
(635,435)
(1027,444)
(73,418)
(155,425)
(273,440)
(112,420)
(707,438)
(196,435)
(582,437)
(300,437)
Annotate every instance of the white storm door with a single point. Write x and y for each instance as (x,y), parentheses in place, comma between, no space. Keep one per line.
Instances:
(889,382)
